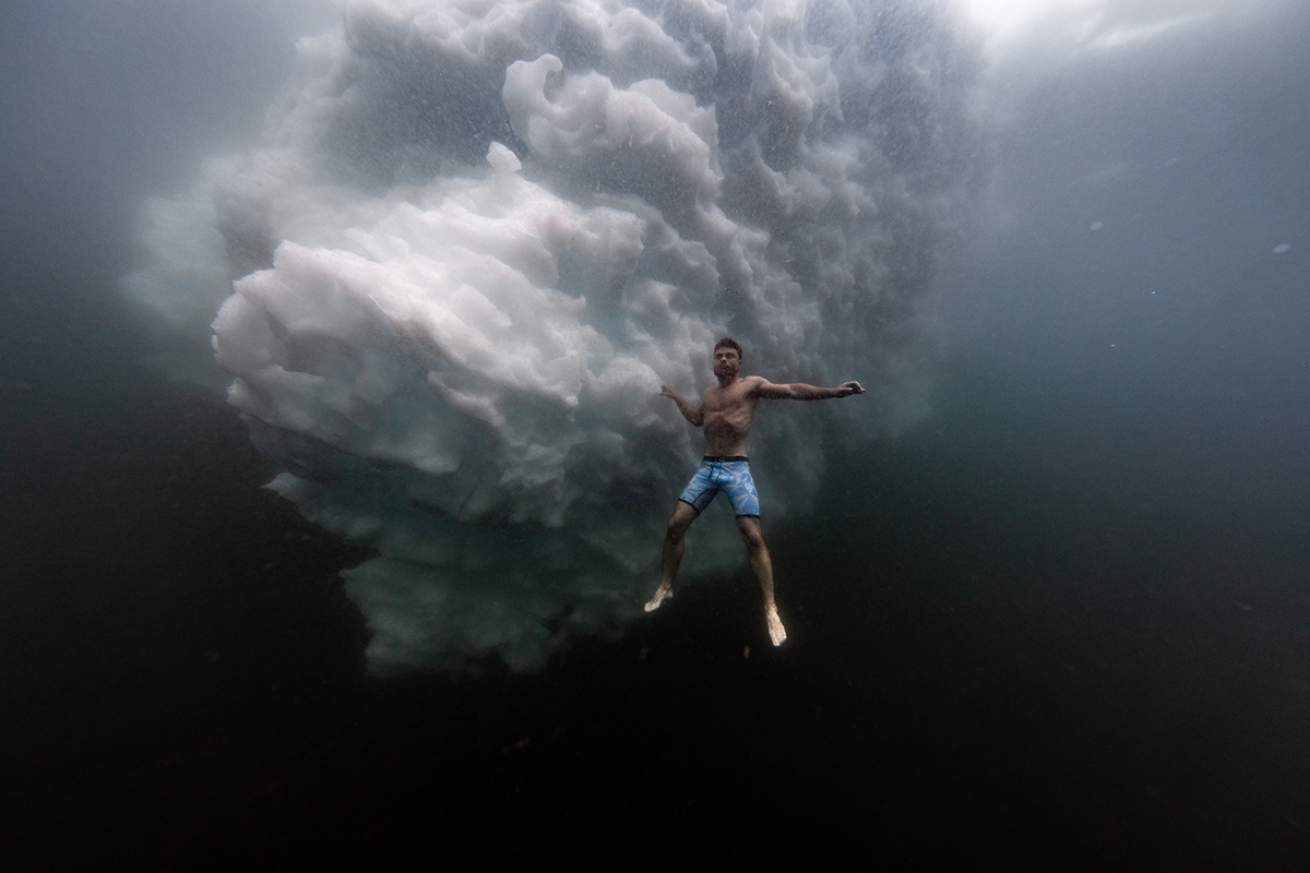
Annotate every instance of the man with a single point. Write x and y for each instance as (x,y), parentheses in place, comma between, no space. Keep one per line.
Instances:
(725,413)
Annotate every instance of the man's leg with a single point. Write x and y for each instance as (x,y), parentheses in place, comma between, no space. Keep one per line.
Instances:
(762,567)
(682,518)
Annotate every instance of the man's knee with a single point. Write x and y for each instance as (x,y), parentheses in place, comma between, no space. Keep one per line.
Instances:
(681,520)
(750,533)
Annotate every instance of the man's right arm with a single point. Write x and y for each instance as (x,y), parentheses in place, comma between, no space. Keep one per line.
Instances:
(800,391)
(694,414)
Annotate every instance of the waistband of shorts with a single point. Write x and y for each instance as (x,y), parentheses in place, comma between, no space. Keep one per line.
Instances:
(724,459)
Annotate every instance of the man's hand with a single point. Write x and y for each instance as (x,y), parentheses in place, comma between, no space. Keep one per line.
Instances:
(846,389)
(693,415)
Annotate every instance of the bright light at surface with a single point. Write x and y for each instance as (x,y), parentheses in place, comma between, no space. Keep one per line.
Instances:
(1009,13)
(1096,25)
(1009,18)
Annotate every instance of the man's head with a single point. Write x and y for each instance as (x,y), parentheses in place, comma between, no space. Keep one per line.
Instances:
(727,358)
(728,343)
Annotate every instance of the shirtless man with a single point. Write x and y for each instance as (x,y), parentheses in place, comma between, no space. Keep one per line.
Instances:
(725,412)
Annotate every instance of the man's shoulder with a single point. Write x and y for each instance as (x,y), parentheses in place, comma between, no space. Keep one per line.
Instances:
(744,386)
(742,383)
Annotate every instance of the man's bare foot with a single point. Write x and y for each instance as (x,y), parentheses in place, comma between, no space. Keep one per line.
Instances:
(777,632)
(665,592)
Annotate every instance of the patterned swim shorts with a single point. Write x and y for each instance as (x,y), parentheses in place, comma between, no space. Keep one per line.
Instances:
(730,474)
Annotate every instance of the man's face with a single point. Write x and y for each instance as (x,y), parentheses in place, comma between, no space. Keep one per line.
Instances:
(726,362)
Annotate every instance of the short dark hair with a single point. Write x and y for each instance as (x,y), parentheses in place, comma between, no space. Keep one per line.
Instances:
(729,343)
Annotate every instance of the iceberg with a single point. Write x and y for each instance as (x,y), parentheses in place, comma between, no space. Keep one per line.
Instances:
(476,237)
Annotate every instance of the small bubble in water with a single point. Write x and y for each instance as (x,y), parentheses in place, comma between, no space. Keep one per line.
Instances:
(1096,225)
(1282,248)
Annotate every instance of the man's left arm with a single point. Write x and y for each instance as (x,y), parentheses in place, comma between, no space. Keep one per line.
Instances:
(800,391)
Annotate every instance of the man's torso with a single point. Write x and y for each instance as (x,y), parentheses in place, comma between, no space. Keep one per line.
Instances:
(728,411)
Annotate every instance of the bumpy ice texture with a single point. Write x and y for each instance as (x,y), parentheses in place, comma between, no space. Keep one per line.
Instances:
(479,235)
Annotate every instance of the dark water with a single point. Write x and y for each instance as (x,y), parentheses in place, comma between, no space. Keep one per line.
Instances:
(1063,624)
(1024,631)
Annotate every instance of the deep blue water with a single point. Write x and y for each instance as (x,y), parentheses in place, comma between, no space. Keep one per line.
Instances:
(1063,623)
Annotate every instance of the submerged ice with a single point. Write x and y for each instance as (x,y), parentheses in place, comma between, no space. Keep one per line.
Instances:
(477,236)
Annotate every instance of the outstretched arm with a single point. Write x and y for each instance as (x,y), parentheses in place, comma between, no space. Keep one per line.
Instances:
(801,391)
(694,414)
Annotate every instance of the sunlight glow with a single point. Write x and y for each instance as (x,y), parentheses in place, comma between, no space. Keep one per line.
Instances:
(1097,25)
(1009,18)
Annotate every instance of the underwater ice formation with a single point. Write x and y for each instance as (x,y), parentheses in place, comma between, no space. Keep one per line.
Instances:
(477,237)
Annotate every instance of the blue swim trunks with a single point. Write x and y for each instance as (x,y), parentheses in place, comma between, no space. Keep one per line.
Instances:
(730,474)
